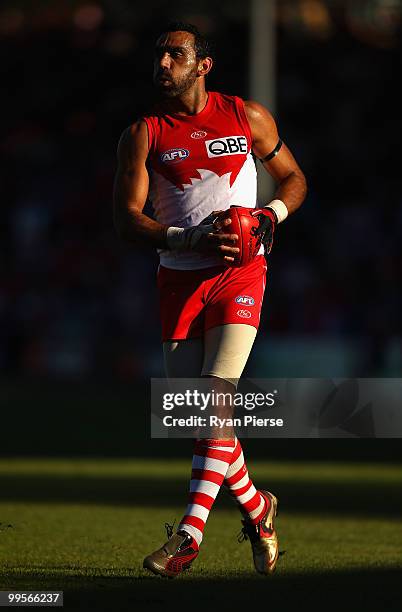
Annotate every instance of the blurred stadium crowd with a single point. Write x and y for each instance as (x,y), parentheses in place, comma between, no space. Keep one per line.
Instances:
(74,300)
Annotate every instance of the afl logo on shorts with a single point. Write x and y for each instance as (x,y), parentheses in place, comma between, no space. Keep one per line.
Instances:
(244,314)
(198,134)
(247,300)
(173,156)
(230,145)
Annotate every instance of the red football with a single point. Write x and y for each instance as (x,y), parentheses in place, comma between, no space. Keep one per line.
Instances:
(242,224)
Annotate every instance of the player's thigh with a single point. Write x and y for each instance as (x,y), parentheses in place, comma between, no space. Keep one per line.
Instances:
(183,358)
(227,349)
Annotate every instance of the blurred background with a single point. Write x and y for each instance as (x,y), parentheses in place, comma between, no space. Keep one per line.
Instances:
(79,327)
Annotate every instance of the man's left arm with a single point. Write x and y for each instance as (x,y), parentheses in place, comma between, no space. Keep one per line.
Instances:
(277,160)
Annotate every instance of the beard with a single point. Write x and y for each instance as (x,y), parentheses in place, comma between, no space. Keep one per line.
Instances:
(177,86)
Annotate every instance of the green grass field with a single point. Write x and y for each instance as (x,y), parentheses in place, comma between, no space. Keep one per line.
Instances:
(84,526)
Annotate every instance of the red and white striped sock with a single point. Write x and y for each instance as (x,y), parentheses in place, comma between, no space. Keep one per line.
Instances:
(211,460)
(251,503)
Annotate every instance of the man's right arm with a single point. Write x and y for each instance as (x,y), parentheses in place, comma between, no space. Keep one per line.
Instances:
(131,190)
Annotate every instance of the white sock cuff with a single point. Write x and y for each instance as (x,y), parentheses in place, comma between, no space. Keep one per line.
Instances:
(193,531)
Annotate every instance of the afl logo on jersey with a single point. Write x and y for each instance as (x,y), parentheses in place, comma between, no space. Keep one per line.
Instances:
(229,145)
(247,300)
(199,134)
(173,156)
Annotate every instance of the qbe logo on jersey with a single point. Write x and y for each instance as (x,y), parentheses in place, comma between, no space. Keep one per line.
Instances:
(229,145)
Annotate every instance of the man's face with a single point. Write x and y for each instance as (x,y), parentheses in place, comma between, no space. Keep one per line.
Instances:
(175,63)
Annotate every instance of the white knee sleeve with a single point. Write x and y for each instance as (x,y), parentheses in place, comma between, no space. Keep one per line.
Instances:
(226,350)
(222,353)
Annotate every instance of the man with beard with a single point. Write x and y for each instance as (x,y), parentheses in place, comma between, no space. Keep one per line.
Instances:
(192,156)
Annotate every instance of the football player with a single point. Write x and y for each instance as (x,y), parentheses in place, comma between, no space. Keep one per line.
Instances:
(193,155)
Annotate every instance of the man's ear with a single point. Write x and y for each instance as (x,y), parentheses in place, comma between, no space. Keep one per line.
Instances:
(204,66)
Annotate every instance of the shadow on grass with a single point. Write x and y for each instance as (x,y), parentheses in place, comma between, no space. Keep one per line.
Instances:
(348,590)
(319,497)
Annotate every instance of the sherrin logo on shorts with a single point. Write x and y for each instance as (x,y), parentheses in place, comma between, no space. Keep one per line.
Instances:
(174,156)
(229,145)
(247,300)
(245,314)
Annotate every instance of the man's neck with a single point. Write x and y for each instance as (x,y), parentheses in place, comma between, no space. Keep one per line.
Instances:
(190,103)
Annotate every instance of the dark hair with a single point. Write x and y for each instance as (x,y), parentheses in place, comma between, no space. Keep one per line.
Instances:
(202,46)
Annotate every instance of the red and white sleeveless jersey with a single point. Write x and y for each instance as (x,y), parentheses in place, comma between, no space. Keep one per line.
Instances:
(199,163)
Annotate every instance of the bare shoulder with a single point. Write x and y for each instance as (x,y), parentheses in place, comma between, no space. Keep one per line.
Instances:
(134,140)
(257,113)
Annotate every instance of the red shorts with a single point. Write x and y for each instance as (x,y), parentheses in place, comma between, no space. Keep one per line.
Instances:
(192,301)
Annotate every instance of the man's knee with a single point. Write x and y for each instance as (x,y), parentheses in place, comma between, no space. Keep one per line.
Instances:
(226,351)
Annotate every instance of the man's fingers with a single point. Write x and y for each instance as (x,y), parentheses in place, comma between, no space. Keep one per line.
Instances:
(229,250)
(223,237)
(220,223)
(221,244)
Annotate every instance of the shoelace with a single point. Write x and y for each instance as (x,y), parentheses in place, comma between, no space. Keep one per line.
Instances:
(242,536)
(169,529)
(247,532)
